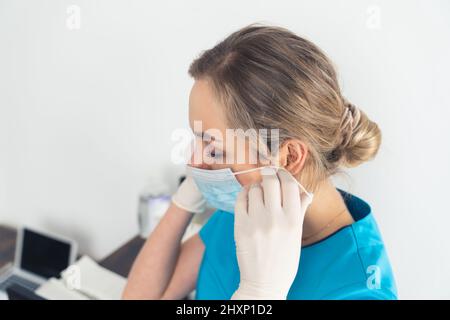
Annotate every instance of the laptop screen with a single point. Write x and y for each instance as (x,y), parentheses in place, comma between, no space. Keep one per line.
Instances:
(43,255)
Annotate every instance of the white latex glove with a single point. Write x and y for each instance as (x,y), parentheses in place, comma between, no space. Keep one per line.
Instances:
(268,235)
(188,197)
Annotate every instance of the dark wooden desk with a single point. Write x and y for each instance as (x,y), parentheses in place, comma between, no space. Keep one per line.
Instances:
(120,261)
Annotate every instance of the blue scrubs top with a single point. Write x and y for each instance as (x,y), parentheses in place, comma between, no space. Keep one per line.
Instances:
(350,264)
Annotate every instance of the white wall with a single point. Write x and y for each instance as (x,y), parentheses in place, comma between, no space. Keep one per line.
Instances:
(86,115)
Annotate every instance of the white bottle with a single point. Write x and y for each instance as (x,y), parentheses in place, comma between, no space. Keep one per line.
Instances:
(154,200)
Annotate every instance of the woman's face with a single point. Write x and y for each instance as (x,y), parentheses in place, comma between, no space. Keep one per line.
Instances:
(213,150)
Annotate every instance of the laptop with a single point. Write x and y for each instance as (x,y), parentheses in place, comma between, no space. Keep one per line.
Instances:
(39,256)
(17,292)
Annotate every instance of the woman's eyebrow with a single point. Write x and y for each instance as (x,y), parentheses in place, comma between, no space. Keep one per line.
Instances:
(206,137)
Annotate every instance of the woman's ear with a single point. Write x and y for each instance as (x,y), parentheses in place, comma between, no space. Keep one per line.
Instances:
(293,155)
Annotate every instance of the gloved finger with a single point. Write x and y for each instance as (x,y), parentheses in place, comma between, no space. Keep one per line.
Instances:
(241,207)
(290,192)
(255,199)
(272,190)
(306,201)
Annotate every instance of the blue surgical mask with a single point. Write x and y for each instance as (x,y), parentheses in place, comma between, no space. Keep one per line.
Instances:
(220,188)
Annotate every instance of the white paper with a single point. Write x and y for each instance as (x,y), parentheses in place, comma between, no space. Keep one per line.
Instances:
(54,289)
(94,280)
(84,279)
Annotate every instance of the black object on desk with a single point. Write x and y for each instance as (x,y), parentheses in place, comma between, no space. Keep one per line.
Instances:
(18,292)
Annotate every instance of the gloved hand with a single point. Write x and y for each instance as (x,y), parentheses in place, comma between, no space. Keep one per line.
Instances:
(268,235)
(188,197)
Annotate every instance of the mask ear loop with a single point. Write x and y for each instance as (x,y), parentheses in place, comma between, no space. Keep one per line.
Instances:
(276,159)
(272,159)
(275,169)
(309,194)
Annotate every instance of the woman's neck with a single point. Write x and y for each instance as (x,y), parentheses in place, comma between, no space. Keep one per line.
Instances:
(325,215)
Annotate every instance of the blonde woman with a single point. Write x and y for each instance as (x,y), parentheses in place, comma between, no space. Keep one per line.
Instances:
(282,230)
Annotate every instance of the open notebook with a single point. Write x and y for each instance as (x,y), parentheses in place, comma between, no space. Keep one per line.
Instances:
(84,280)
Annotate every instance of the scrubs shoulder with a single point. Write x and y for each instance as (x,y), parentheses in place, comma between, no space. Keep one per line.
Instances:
(352,263)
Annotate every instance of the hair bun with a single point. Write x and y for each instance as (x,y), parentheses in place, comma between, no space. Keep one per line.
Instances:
(360,137)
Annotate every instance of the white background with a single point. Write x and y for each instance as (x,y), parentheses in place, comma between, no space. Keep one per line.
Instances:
(86,115)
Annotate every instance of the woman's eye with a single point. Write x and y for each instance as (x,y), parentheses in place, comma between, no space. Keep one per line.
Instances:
(215,154)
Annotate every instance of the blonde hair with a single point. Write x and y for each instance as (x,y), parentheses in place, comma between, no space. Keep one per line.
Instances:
(269,78)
